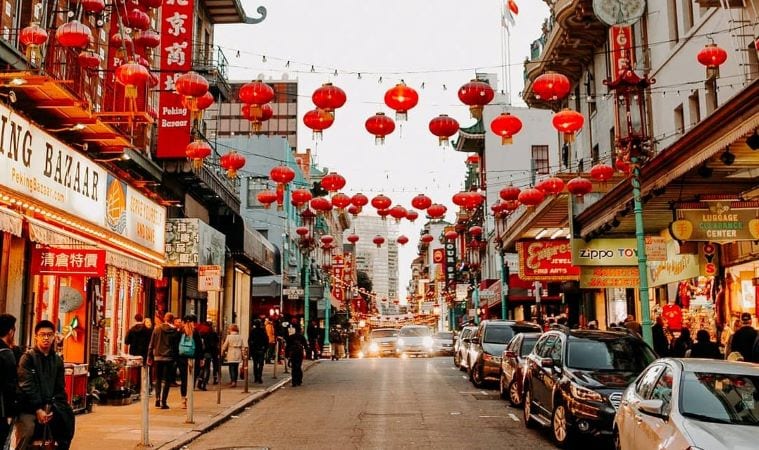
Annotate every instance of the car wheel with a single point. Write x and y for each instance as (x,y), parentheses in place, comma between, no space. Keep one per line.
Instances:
(477,377)
(529,422)
(560,425)
(502,389)
(457,360)
(515,397)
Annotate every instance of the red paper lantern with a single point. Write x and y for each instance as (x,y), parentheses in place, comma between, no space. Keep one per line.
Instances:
(340,201)
(73,34)
(551,86)
(120,39)
(601,172)
(232,162)
(333,182)
(256,93)
(383,213)
(257,115)
(509,193)
(473,201)
(266,198)
(623,166)
(147,39)
(473,159)
(476,94)
(475,230)
(712,56)
(321,204)
(443,127)
(510,205)
(92,6)
(459,198)
(281,174)
(398,212)
(354,210)
(495,208)
(551,186)
(302,231)
(531,197)
(318,120)
(204,101)
(197,151)
(451,235)
(568,122)
(378,241)
(401,98)
(381,202)
(191,85)
(151,3)
(327,240)
(426,238)
(380,126)
(412,215)
(328,97)
(436,211)
(403,240)
(421,202)
(506,126)
(359,200)
(353,238)
(300,197)
(88,59)
(579,186)
(132,75)
(138,19)
(33,35)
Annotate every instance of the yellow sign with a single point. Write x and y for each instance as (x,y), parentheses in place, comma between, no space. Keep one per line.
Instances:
(616,252)
(722,221)
(609,277)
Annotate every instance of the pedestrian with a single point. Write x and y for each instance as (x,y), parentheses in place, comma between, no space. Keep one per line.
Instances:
(336,341)
(704,347)
(8,376)
(592,325)
(212,345)
(232,351)
(681,344)
(162,352)
(661,343)
(743,340)
(633,325)
(269,328)
(313,339)
(138,338)
(204,370)
(296,351)
(42,392)
(190,348)
(258,343)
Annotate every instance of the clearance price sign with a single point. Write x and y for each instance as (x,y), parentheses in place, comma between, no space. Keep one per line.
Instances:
(67,261)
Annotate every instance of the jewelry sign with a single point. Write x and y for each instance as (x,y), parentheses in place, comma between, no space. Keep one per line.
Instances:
(68,261)
(546,261)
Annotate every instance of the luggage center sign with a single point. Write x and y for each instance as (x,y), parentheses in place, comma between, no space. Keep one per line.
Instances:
(616,252)
(722,221)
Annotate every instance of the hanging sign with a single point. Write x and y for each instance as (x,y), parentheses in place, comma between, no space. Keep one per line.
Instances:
(450,262)
(616,252)
(676,268)
(719,221)
(209,278)
(622,56)
(68,261)
(609,277)
(549,260)
(338,273)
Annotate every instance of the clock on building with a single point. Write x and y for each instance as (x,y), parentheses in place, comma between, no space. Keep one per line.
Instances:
(619,12)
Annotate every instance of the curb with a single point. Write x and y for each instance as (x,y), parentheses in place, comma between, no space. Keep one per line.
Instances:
(182,441)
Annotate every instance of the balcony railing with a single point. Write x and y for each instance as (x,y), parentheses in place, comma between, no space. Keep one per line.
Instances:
(211,62)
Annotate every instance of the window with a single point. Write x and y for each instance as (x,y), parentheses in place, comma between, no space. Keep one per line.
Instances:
(527,346)
(541,344)
(612,144)
(624,354)
(646,381)
(556,355)
(687,15)
(679,119)
(547,348)
(594,154)
(674,35)
(255,185)
(540,159)
(694,107)
(663,390)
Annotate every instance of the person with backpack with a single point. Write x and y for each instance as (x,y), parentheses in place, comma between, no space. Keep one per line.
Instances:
(258,343)
(336,340)
(296,351)
(190,347)
(232,349)
(8,375)
(162,352)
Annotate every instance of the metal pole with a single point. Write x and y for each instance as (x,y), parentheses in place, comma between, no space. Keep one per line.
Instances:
(327,313)
(504,289)
(145,400)
(245,359)
(191,390)
(642,259)
(476,301)
(307,292)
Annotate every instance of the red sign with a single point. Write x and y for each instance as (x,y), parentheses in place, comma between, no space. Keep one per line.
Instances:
(622,55)
(549,260)
(67,261)
(337,276)
(176,58)
(438,256)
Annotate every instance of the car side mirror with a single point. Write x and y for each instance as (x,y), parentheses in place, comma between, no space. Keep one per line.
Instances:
(546,362)
(652,407)
(509,354)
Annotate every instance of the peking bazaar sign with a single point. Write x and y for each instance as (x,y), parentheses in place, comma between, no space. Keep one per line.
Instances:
(174,123)
(68,261)
(549,260)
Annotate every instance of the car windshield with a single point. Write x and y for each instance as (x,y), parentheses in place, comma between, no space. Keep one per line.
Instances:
(720,398)
(415,331)
(498,335)
(444,336)
(623,354)
(384,333)
(527,345)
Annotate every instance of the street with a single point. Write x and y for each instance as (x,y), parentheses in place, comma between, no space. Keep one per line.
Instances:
(379,403)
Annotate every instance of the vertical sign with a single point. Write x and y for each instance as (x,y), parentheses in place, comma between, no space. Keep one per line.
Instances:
(450,262)
(337,278)
(176,59)
(209,278)
(622,53)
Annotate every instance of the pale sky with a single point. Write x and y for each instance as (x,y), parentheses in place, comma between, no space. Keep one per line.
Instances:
(438,43)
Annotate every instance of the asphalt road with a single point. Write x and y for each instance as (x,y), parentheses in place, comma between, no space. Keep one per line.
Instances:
(415,403)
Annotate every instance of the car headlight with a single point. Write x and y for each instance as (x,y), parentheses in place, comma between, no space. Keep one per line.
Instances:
(373,347)
(581,393)
(427,342)
(401,343)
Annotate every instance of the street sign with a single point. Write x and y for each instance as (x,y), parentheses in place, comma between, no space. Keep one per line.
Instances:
(293,293)
(209,278)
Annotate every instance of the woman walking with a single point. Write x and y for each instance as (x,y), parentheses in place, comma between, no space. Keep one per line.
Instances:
(232,348)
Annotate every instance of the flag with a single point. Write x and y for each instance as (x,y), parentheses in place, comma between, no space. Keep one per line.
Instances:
(509,13)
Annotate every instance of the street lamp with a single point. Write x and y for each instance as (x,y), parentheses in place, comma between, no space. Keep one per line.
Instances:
(307,243)
(633,145)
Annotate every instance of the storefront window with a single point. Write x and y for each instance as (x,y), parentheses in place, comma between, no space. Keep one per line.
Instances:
(125,297)
(62,300)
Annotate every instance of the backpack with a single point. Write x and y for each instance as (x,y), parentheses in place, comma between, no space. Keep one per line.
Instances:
(186,346)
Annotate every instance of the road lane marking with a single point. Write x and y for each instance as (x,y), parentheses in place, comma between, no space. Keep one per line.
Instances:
(468,392)
(484,393)
(489,417)
(455,413)
(464,377)
(513,417)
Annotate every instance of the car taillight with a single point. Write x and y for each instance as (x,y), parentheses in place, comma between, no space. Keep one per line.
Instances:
(486,357)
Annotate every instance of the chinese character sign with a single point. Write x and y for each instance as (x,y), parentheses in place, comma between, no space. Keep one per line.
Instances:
(67,261)
(174,121)
(546,261)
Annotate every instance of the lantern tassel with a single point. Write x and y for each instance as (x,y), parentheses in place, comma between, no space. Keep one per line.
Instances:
(569,138)
(506,140)
(197,164)
(476,112)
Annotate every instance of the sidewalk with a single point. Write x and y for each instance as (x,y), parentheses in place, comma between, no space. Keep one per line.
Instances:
(119,427)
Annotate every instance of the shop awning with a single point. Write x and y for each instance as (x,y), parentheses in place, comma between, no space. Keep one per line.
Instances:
(248,246)
(11,222)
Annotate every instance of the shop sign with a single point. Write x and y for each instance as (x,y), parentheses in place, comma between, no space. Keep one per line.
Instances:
(134,216)
(718,221)
(176,54)
(68,261)
(450,262)
(338,266)
(609,277)
(462,290)
(549,260)
(192,243)
(676,268)
(209,278)
(42,167)
(438,256)
(492,293)
(616,252)
(622,56)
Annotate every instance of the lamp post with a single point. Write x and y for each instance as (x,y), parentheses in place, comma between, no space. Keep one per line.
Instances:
(307,243)
(633,145)
(473,255)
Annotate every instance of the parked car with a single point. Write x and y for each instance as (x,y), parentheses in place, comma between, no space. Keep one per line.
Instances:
(461,346)
(486,348)
(382,342)
(513,362)
(414,340)
(574,379)
(690,403)
(442,343)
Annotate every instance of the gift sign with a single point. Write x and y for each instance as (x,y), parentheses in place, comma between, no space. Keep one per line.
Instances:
(65,261)
(549,260)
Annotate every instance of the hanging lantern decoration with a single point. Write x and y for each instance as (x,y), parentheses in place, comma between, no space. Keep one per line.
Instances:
(426,238)
(381,202)
(359,200)
(147,39)
(321,205)
(197,151)
(340,201)
(383,213)
(473,200)
(73,34)
(151,3)
(712,56)
(509,193)
(328,97)
(327,240)
(473,159)
(403,240)
(509,205)
(623,166)
(33,37)
(476,94)
(601,172)
(318,120)
(551,86)
(495,208)
(257,115)
(398,212)
(132,75)
(568,122)
(120,40)
(256,93)
(459,199)
(353,238)
(451,235)
(579,187)
(412,215)
(232,162)
(436,211)
(88,59)
(190,86)
(378,241)
(204,101)
(475,231)
(333,182)
(300,197)
(266,198)
(302,231)
(551,186)
(354,210)
(92,6)
(421,202)
(380,126)
(531,197)
(506,126)
(281,174)
(138,19)
(401,98)
(443,127)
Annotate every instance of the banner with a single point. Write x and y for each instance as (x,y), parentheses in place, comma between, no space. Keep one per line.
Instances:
(609,277)
(676,268)
(68,261)
(548,260)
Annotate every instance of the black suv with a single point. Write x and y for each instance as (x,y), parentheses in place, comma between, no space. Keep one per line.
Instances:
(486,346)
(574,379)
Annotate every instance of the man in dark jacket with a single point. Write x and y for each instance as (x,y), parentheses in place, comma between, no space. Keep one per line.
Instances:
(661,344)
(743,340)
(138,338)
(42,392)
(258,343)
(8,374)
(296,348)
(163,352)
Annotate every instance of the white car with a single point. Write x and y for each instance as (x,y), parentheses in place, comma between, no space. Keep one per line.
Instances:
(696,404)
(414,340)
